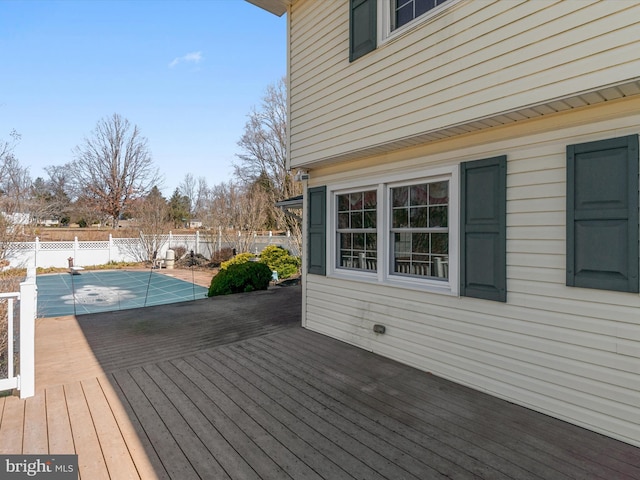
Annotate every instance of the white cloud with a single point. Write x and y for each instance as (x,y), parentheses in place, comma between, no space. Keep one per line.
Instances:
(193,57)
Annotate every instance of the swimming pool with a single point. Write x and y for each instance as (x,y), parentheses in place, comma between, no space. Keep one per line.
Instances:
(102,291)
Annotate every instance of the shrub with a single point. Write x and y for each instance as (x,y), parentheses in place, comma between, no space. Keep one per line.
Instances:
(279,259)
(240,277)
(221,255)
(240,258)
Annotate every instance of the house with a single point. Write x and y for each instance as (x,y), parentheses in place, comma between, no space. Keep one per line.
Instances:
(471,192)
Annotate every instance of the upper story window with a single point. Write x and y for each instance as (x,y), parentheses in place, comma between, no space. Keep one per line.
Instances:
(403,11)
(372,22)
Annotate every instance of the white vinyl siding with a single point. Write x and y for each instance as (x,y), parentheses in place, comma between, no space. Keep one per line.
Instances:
(569,352)
(481,58)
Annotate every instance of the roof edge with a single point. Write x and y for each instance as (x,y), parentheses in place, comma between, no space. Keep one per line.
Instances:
(277,7)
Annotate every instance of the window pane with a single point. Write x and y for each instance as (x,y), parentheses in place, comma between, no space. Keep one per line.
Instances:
(358,241)
(345,240)
(370,219)
(423,6)
(370,200)
(419,194)
(404,14)
(371,240)
(343,220)
(420,243)
(419,217)
(356,219)
(343,203)
(400,196)
(438,217)
(356,201)
(440,243)
(400,218)
(438,193)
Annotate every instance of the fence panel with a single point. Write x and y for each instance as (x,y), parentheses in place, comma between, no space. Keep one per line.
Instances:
(57,254)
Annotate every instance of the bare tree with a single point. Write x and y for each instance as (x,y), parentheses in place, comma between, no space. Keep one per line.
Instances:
(202,198)
(113,167)
(15,181)
(15,184)
(187,188)
(238,212)
(152,216)
(49,197)
(197,191)
(264,158)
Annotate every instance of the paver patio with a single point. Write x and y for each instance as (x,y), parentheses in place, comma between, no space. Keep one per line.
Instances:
(233,387)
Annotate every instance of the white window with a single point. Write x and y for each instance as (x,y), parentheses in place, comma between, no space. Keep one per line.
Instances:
(397,16)
(420,229)
(404,11)
(357,235)
(399,230)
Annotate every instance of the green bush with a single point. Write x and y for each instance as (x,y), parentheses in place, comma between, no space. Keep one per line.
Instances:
(279,259)
(240,277)
(240,258)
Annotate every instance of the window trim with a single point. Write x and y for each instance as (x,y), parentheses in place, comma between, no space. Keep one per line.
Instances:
(383,183)
(385,16)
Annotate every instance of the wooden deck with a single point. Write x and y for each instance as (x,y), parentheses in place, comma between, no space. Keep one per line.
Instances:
(266,399)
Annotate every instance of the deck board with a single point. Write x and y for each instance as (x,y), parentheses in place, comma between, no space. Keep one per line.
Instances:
(240,432)
(35,439)
(245,393)
(232,465)
(147,462)
(407,453)
(160,437)
(90,459)
(522,439)
(114,450)
(58,423)
(12,426)
(449,439)
(189,444)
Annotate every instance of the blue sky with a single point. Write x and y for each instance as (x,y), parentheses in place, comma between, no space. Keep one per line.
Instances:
(186,72)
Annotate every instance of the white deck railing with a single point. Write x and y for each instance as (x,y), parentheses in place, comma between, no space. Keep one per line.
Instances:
(24,379)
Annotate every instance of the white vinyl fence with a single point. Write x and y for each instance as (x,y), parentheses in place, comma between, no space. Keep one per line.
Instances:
(20,334)
(57,254)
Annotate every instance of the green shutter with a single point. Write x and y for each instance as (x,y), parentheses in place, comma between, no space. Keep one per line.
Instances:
(363,28)
(317,230)
(483,242)
(602,214)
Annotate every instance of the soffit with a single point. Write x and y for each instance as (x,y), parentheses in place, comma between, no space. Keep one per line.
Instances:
(277,7)
(553,106)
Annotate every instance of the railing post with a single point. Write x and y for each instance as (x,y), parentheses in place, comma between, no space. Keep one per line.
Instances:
(35,253)
(197,242)
(28,310)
